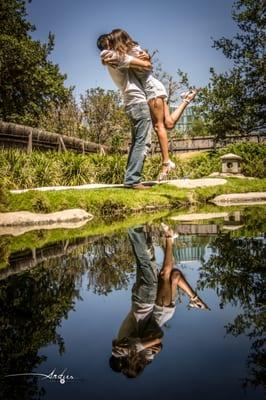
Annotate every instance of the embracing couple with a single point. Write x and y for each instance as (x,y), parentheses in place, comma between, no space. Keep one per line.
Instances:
(145,101)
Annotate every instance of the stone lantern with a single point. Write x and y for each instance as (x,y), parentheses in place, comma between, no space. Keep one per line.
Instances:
(231,164)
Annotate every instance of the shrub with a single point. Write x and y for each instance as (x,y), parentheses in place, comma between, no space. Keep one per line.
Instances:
(20,170)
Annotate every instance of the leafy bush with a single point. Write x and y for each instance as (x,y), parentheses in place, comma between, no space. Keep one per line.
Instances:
(20,170)
(254,157)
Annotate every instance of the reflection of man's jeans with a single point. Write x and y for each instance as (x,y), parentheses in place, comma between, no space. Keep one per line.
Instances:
(139,115)
(145,288)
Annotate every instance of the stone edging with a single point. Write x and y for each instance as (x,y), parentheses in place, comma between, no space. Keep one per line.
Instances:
(240,198)
(26,218)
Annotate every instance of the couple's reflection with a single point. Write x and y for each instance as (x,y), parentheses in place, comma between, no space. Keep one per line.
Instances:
(153,303)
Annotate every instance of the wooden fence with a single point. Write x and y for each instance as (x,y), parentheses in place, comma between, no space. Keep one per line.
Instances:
(14,135)
(208,142)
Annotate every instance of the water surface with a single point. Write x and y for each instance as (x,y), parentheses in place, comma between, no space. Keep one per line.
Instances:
(62,306)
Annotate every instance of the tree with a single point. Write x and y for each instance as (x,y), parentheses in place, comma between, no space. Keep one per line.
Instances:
(65,118)
(233,102)
(172,85)
(105,117)
(29,81)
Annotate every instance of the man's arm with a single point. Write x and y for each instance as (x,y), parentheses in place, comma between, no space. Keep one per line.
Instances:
(139,63)
(126,61)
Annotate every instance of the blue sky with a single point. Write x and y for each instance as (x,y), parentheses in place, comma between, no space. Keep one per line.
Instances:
(180,30)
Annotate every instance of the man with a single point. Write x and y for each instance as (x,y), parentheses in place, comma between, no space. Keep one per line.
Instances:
(138,111)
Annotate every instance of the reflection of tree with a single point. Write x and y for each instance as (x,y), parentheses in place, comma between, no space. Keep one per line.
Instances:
(32,306)
(253,220)
(110,263)
(4,250)
(236,271)
(34,303)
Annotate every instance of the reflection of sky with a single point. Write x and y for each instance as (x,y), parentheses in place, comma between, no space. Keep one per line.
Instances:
(197,359)
(181,31)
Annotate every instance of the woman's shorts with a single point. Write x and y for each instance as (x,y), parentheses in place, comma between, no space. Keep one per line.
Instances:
(154,88)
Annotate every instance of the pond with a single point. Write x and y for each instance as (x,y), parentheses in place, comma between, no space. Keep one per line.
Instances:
(114,315)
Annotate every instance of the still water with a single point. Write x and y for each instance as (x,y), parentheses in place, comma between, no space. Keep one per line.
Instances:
(111,316)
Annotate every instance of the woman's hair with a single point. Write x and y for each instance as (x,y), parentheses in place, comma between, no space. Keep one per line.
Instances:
(133,364)
(121,41)
(130,366)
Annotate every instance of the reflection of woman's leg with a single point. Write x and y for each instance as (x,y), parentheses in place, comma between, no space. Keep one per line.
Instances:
(164,292)
(169,279)
(157,114)
(178,279)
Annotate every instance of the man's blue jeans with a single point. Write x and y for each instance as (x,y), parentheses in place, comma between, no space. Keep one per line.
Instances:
(139,115)
(145,288)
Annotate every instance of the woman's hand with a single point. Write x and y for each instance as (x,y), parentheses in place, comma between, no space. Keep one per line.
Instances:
(110,60)
(143,55)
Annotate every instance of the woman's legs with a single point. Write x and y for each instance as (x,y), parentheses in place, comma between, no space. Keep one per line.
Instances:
(170,120)
(157,113)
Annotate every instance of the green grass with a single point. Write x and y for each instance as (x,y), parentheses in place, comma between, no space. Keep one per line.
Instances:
(122,202)
(100,202)
(253,223)
(19,170)
(233,185)
(95,227)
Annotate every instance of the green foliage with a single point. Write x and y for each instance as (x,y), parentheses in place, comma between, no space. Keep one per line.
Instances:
(75,168)
(234,101)
(198,127)
(19,170)
(236,271)
(202,165)
(3,199)
(13,18)
(29,81)
(64,118)
(254,157)
(41,205)
(113,209)
(105,117)
(109,169)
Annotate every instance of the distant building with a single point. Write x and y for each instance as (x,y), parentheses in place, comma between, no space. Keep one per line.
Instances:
(185,122)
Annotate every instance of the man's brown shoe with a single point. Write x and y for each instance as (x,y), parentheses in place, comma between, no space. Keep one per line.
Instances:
(138,186)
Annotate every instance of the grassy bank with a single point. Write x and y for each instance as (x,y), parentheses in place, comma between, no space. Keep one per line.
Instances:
(253,222)
(95,228)
(18,170)
(122,202)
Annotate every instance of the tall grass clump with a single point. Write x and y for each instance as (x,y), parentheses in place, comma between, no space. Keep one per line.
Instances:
(75,169)
(109,169)
(19,170)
